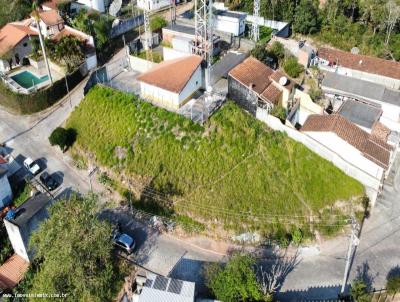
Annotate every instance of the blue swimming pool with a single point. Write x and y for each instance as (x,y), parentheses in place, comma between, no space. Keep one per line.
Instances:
(27,79)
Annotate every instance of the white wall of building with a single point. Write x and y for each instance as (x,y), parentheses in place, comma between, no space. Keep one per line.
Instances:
(98,5)
(139,64)
(171,100)
(153,4)
(230,25)
(16,240)
(170,54)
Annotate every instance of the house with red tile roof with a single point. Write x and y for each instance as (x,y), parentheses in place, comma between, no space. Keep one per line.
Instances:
(369,152)
(362,67)
(253,84)
(172,83)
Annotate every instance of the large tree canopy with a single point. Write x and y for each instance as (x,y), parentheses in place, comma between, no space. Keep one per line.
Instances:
(73,249)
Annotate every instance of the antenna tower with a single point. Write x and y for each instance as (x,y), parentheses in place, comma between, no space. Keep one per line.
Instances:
(147,35)
(255,30)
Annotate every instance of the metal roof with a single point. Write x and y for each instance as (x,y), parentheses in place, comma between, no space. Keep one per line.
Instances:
(180,28)
(230,14)
(357,88)
(360,113)
(159,288)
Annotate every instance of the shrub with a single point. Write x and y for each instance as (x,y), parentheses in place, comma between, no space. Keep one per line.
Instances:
(359,291)
(277,50)
(297,237)
(157,23)
(236,281)
(292,67)
(62,137)
(393,284)
(279,112)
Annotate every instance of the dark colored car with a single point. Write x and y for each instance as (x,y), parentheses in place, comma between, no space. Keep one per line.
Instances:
(48,181)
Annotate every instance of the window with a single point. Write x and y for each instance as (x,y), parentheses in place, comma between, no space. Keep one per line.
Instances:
(197,82)
(25,44)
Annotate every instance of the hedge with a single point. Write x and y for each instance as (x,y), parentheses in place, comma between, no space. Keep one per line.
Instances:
(40,100)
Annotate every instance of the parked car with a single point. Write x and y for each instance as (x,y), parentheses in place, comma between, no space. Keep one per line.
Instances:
(123,241)
(48,181)
(32,166)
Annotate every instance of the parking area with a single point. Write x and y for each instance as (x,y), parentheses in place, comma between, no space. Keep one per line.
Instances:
(126,81)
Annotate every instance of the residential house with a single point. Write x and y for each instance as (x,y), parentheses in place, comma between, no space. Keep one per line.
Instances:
(369,152)
(171,84)
(26,219)
(158,288)
(379,71)
(99,5)
(14,44)
(253,84)
(15,37)
(341,88)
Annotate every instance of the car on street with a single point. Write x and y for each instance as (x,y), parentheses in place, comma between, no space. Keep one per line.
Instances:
(123,241)
(32,166)
(48,181)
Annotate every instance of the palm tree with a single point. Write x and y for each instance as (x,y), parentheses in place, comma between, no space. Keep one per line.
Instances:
(35,14)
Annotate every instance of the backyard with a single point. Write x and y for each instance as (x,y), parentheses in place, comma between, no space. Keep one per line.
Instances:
(233,172)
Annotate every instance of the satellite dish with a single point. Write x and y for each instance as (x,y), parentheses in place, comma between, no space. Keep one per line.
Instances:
(115,22)
(355,50)
(115,7)
(283,81)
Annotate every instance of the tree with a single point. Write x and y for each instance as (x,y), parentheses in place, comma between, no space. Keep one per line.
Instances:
(277,50)
(392,15)
(306,18)
(157,23)
(62,137)
(236,281)
(74,251)
(69,50)
(292,67)
(8,56)
(359,291)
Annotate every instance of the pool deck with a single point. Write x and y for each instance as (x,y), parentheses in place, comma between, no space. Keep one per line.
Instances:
(38,73)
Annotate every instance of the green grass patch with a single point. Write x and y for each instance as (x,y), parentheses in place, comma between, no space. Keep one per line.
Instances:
(234,171)
(157,57)
(21,194)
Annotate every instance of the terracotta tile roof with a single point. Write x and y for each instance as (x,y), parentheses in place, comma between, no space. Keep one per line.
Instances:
(363,63)
(374,149)
(11,34)
(172,75)
(50,17)
(380,131)
(252,72)
(278,74)
(12,271)
(271,94)
(255,74)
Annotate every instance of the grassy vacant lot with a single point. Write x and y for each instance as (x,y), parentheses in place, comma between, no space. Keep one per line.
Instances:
(233,170)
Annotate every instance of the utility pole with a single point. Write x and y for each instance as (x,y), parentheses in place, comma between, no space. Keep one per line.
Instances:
(354,241)
(147,34)
(255,29)
(69,95)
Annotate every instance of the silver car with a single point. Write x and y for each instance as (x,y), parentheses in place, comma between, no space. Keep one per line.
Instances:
(123,241)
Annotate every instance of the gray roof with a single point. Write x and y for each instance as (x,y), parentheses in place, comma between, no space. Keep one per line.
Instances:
(360,113)
(226,64)
(231,14)
(31,208)
(360,89)
(158,288)
(180,28)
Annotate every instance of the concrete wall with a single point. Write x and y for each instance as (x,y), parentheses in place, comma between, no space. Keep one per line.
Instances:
(5,192)
(126,25)
(91,61)
(170,54)
(379,79)
(139,64)
(191,87)
(233,26)
(242,95)
(98,5)
(372,182)
(16,239)
(153,4)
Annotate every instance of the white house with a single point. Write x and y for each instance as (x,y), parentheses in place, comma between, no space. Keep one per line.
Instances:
(367,151)
(172,83)
(153,4)
(25,221)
